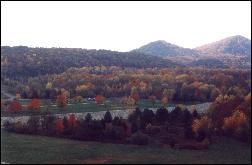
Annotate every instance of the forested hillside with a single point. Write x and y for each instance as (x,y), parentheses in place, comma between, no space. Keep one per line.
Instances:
(18,62)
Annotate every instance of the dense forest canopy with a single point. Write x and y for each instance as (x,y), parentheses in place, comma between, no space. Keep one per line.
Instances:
(180,84)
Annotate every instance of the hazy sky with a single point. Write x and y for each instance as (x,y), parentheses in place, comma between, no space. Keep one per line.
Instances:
(121,26)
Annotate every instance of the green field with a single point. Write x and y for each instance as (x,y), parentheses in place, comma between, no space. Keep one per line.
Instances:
(16,148)
(86,106)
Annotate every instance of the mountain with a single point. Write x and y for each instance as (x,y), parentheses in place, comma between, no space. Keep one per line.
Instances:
(164,49)
(22,61)
(233,51)
(235,45)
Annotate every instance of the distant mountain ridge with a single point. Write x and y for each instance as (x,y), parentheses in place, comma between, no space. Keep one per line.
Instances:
(234,51)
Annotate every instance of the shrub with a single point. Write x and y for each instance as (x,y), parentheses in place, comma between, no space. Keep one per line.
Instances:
(152,129)
(67,128)
(33,124)
(8,126)
(188,133)
(172,142)
(114,133)
(48,124)
(95,129)
(139,138)
(116,121)
(134,127)
(19,127)
(205,143)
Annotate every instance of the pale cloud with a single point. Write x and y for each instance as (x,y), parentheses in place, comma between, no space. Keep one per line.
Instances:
(121,26)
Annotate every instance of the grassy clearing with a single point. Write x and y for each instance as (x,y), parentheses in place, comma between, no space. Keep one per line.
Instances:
(16,148)
(87,106)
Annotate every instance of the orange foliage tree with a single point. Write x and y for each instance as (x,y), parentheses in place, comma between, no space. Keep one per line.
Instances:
(34,104)
(15,106)
(238,120)
(62,100)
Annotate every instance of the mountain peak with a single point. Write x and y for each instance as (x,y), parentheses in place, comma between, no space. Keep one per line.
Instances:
(164,49)
(160,42)
(236,45)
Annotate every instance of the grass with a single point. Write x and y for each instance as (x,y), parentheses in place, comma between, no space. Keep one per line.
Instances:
(87,106)
(17,148)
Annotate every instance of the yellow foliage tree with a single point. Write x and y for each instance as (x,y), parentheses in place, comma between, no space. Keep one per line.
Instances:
(49,85)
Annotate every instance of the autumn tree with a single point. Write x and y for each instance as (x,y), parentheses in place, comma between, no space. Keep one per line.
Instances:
(128,101)
(34,104)
(59,126)
(134,94)
(237,125)
(65,92)
(99,99)
(223,106)
(72,120)
(49,85)
(15,106)
(61,100)
(202,128)
(78,99)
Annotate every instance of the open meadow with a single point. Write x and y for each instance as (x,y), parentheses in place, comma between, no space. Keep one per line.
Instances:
(18,148)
